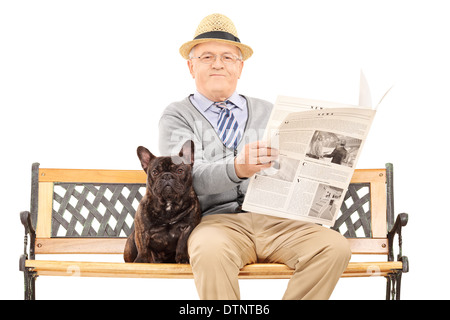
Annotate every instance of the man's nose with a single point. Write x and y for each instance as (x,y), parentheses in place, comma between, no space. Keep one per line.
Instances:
(218,63)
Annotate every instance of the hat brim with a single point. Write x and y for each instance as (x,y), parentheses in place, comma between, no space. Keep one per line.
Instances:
(186,48)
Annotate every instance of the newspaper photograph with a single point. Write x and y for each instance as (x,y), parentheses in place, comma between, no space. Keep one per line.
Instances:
(319,144)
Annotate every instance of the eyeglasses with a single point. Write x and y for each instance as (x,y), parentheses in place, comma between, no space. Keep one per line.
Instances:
(209,58)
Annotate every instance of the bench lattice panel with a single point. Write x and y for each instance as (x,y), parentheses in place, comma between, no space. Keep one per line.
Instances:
(89,210)
(354,220)
(108,210)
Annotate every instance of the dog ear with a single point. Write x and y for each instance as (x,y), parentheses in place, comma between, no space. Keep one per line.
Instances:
(145,156)
(187,152)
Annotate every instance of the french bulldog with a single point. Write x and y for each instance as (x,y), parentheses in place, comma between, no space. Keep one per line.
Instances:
(168,212)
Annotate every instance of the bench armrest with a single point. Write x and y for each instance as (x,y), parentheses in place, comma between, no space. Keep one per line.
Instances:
(402,220)
(25,218)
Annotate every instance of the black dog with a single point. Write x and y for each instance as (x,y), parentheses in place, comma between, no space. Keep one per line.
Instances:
(168,212)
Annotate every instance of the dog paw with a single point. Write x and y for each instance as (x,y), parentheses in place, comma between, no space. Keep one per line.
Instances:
(182,259)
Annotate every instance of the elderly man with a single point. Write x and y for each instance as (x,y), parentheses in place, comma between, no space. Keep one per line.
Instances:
(226,128)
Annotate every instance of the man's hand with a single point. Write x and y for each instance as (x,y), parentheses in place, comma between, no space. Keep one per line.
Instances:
(255,156)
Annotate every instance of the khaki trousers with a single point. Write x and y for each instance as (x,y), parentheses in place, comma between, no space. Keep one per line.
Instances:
(224,243)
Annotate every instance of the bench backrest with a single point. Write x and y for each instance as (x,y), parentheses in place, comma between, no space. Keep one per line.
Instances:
(92,211)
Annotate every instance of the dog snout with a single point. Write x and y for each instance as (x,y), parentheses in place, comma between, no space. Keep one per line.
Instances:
(167,176)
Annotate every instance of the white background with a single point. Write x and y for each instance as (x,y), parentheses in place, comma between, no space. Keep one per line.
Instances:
(83,83)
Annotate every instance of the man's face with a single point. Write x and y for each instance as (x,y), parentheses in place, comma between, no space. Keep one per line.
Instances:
(216,81)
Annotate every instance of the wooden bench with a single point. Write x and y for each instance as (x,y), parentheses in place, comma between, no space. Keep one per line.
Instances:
(92,212)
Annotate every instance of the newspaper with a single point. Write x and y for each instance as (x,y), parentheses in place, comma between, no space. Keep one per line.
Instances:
(319,145)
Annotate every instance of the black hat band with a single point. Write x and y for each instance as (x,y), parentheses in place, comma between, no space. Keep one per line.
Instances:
(218,35)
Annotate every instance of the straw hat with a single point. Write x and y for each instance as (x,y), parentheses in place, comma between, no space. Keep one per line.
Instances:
(216,27)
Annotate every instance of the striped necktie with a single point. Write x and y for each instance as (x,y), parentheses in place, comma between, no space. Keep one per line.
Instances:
(227,126)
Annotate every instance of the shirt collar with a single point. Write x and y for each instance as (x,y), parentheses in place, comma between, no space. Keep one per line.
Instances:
(204,103)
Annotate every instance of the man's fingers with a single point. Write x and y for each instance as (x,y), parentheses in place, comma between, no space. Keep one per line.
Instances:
(265,159)
(268,152)
(257,144)
(263,166)
(264,151)
(262,155)
(257,152)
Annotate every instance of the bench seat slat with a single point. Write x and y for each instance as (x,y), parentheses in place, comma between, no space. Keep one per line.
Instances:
(184,271)
(116,245)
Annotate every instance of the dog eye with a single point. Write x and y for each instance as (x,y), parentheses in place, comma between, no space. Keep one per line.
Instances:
(180,171)
(154,172)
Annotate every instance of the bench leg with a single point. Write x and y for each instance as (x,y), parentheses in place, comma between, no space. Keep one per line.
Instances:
(30,281)
(393,285)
